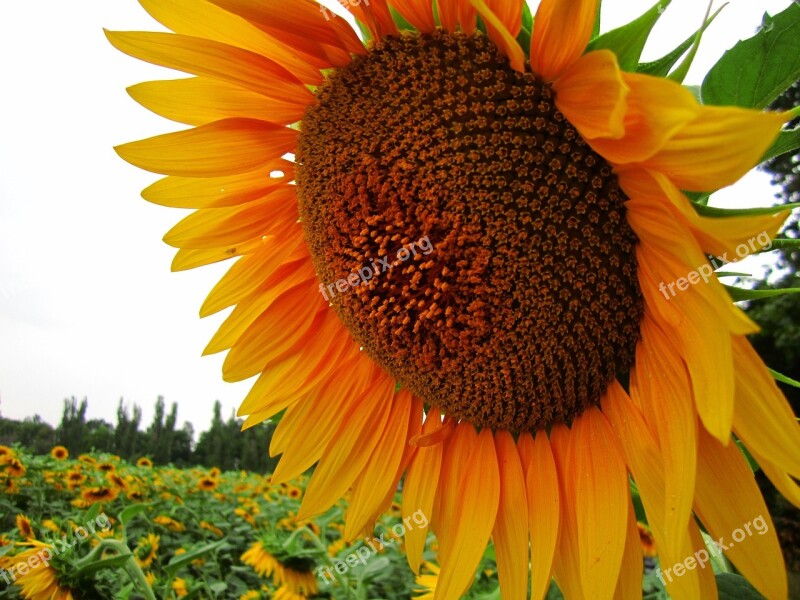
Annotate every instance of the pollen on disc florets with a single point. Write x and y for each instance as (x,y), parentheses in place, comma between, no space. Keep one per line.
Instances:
(528,303)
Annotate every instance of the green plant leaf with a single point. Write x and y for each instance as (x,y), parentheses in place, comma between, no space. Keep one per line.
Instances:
(738,294)
(524,37)
(127,515)
(736,587)
(628,41)
(662,66)
(785,244)
(757,70)
(784,379)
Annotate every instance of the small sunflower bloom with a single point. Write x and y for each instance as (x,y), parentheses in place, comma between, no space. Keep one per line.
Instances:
(146,550)
(59,453)
(99,493)
(461,272)
(24,527)
(144,463)
(207,484)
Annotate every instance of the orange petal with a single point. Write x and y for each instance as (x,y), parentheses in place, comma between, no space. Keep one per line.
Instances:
(592,95)
(375,15)
(419,490)
(500,35)
(629,584)
(469,511)
(566,562)
(510,14)
(448,14)
(198,56)
(741,524)
(601,491)
(511,540)
(762,416)
(717,147)
(656,109)
(417,12)
(217,149)
(544,509)
(561,32)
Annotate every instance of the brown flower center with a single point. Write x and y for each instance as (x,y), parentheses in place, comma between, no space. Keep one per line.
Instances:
(465,233)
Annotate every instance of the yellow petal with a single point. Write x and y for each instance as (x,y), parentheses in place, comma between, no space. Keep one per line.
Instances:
(417,12)
(782,481)
(741,524)
(212,59)
(500,35)
(199,100)
(592,95)
(218,192)
(379,472)
(347,452)
(544,509)
(420,488)
(561,32)
(656,109)
(471,513)
(601,488)
(221,148)
(191,259)
(511,540)
(762,416)
(204,20)
(717,147)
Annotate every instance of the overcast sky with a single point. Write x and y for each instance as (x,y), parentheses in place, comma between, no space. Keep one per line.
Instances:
(88,305)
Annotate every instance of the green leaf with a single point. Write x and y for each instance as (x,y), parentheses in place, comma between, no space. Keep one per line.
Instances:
(662,66)
(184,559)
(524,37)
(736,587)
(113,562)
(398,19)
(784,379)
(628,41)
(714,211)
(92,513)
(127,515)
(739,294)
(757,70)
(787,141)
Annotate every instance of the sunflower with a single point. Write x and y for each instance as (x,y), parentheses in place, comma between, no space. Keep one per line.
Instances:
(169,523)
(179,587)
(144,462)
(146,549)
(107,467)
(75,479)
(24,527)
(461,273)
(59,453)
(212,528)
(293,574)
(6,454)
(38,582)
(647,541)
(15,468)
(99,493)
(426,582)
(207,484)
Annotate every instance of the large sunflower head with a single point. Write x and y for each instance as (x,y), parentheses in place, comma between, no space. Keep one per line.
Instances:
(40,581)
(458,246)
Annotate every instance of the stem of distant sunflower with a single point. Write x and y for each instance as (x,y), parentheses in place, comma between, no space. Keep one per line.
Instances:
(130,566)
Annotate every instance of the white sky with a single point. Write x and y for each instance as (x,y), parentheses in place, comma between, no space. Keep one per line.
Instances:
(88,305)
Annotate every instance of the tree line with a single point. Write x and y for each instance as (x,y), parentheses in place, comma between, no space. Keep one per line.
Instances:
(224,445)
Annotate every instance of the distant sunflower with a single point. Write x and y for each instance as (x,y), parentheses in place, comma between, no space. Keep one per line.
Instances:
(170,523)
(489,234)
(75,479)
(6,454)
(15,468)
(146,550)
(295,574)
(144,462)
(426,582)
(99,493)
(59,453)
(207,484)
(24,527)
(41,582)
(107,467)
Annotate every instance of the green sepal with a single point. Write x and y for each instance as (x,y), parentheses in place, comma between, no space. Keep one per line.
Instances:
(400,21)
(783,378)
(735,587)
(759,69)
(785,244)
(662,66)
(739,294)
(787,141)
(628,41)
(714,211)
(524,36)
